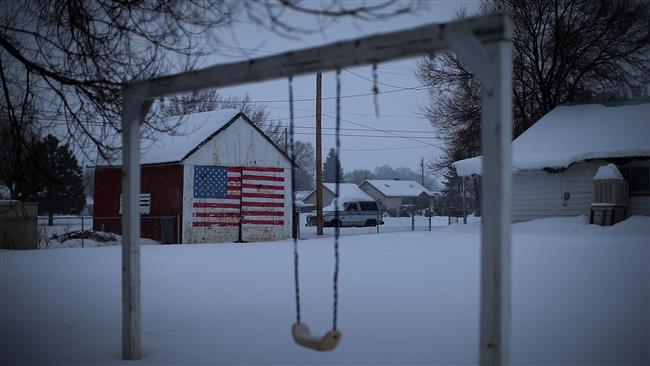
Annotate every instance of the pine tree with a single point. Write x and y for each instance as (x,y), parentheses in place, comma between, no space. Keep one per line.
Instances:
(56,182)
(331,167)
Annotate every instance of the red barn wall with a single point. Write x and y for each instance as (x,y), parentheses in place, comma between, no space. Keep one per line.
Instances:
(163,182)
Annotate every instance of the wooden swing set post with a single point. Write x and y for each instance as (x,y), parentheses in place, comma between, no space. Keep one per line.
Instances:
(482,42)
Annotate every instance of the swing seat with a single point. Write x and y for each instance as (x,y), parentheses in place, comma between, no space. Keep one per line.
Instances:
(302,336)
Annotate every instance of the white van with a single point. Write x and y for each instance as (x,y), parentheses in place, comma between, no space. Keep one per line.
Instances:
(352,213)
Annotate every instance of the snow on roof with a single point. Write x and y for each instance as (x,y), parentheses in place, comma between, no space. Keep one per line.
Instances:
(398,188)
(573,133)
(301,195)
(349,190)
(193,129)
(609,171)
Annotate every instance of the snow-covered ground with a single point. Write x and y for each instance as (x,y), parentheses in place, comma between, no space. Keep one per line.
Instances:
(580,296)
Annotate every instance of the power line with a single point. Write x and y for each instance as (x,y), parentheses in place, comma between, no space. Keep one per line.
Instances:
(55,121)
(371,80)
(415,115)
(379,130)
(388,148)
(353,129)
(421,87)
(63,121)
(374,136)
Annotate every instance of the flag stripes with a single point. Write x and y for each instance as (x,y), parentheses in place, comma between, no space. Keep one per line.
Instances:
(230,196)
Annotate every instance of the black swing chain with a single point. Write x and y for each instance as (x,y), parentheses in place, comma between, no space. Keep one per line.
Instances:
(293,201)
(375,90)
(337,230)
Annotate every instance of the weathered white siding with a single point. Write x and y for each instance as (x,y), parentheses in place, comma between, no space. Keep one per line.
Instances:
(239,145)
(537,194)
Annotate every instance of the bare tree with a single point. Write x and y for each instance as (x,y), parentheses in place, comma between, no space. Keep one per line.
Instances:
(72,57)
(564,51)
(306,161)
(357,176)
(209,100)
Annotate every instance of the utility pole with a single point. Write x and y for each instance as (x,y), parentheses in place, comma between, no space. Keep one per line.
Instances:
(319,159)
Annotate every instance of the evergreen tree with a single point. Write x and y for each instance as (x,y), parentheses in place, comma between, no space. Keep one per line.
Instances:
(331,167)
(56,182)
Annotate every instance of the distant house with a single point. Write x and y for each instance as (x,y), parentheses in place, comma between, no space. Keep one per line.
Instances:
(393,194)
(219,178)
(554,161)
(348,190)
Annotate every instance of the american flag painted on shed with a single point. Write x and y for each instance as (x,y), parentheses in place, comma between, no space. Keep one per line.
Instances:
(223,194)
(217,196)
(262,196)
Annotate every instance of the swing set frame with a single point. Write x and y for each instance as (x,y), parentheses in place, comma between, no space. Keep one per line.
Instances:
(483,43)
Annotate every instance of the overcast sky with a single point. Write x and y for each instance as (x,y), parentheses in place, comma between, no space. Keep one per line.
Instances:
(399,111)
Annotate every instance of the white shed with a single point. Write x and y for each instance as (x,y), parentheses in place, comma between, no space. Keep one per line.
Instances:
(219,179)
(554,161)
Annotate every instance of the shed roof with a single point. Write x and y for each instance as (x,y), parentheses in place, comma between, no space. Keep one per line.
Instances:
(568,134)
(398,188)
(192,132)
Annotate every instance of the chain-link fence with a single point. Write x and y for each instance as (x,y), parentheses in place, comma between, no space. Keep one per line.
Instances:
(88,231)
(390,225)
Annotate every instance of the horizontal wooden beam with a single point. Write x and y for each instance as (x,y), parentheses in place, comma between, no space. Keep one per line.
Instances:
(418,41)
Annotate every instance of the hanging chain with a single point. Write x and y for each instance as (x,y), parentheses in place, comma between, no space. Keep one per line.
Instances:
(337,230)
(293,201)
(375,89)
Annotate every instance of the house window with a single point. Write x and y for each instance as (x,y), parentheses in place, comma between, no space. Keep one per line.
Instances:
(638,178)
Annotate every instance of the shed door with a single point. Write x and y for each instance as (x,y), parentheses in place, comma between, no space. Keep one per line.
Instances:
(263,201)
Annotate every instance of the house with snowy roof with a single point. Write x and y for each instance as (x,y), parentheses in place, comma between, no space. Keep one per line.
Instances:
(393,194)
(555,161)
(219,178)
(346,190)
